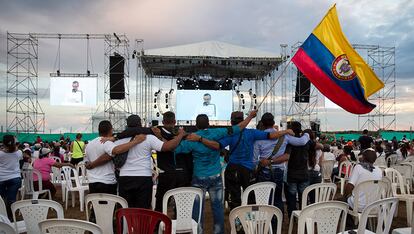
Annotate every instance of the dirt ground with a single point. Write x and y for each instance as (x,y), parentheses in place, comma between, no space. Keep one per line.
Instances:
(74,213)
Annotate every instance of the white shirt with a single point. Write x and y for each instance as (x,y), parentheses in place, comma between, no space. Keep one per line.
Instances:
(328,156)
(104,173)
(139,159)
(359,175)
(210,110)
(9,165)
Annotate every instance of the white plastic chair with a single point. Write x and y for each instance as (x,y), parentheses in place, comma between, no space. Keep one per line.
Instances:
(406,173)
(326,215)
(256,219)
(21,226)
(323,192)
(184,198)
(83,176)
(6,228)
(343,178)
(28,184)
(407,230)
(392,159)
(367,192)
(384,210)
(380,162)
(327,168)
(34,211)
(264,193)
(103,205)
(73,189)
(410,164)
(57,159)
(68,226)
(398,182)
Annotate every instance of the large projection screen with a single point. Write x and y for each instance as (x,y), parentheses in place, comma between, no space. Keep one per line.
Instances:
(73,91)
(216,104)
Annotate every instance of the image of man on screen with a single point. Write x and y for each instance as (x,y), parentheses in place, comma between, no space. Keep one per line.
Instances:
(208,108)
(75,97)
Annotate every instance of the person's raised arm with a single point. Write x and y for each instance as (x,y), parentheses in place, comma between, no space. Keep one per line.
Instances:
(246,122)
(60,165)
(126,146)
(209,143)
(172,144)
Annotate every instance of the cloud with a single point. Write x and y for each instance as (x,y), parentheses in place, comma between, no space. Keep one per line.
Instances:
(263,25)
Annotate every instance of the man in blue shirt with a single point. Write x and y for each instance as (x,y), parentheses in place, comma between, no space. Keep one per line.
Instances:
(240,168)
(207,167)
(273,163)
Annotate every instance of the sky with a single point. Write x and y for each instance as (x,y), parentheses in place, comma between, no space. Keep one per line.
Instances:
(262,25)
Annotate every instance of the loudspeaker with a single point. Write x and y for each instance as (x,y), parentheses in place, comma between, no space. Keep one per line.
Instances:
(302,93)
(116,77)
(315,127)
(154,123)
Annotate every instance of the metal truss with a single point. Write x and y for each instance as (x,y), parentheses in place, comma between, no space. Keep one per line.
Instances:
(23,110)
(382,60)
(305,113)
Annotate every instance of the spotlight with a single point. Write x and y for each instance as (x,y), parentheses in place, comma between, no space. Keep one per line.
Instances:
(155,106)
(166,95)
(241,95)
(243,107)
(158,114)
(88,73)
(166,106)
(155,100)
(58,72)
(254,96)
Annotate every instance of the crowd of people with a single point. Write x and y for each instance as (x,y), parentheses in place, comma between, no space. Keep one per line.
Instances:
(123,163)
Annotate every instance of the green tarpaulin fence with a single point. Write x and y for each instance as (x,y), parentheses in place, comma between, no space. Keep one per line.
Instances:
(31,137)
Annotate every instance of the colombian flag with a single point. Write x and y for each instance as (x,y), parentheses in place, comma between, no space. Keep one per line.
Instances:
(328,60)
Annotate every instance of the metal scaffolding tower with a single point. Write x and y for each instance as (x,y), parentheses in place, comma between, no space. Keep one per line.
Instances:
(116,110)
(23,110)
(382,61)
(285,57)
(305,113)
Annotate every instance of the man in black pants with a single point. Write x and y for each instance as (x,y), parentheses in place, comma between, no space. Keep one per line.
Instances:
(175,169)
(98,157)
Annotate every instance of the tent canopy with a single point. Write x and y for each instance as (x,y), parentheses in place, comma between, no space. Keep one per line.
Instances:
(216,59)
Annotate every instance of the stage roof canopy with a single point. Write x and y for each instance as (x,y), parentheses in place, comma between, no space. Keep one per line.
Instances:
(216,59)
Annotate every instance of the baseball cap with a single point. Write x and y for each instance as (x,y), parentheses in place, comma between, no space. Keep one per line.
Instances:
(133,121)
(44,151)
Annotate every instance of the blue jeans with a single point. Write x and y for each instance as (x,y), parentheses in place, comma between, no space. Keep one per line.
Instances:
(214,186)
(277,177)
(9,189)
(293,189)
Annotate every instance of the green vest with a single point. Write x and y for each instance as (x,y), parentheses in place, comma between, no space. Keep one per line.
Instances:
(77,149)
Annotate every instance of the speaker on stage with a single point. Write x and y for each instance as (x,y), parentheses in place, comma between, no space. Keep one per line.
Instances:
(302,93)
(116,77)
(315,127)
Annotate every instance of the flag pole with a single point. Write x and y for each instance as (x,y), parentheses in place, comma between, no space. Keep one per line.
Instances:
(274,83)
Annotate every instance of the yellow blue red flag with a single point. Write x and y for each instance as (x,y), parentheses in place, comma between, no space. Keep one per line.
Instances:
(330,62)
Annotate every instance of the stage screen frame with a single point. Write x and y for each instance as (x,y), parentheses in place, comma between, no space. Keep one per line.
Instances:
(190,103)
(61,91)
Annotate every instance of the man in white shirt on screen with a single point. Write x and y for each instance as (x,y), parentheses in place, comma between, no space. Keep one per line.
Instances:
(75,97)
(208,108)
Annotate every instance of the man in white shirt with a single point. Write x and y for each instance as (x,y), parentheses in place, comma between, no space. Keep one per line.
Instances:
(208,108)
(364,171)
(101,174)
(135,177)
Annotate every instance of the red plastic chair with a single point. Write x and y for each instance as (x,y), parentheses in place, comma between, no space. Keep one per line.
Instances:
(142,221)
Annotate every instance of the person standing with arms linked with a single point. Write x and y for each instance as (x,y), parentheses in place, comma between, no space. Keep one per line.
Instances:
(207,167)
(240,170)
(271,154)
